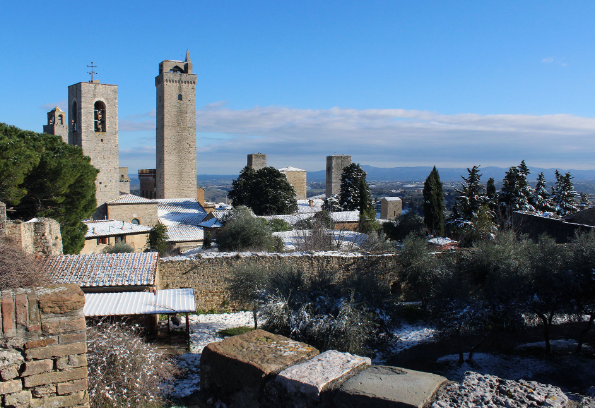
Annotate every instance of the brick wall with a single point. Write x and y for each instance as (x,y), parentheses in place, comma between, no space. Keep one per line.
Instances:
(208,276)
(43,348)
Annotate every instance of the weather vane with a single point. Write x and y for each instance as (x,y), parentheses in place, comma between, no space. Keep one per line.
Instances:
(92,72)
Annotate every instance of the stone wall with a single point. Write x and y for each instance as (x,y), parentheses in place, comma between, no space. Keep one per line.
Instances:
(43,347)
(208,276)
(534,226)
(40,237)
(257,161)
(297,179)
(145,213)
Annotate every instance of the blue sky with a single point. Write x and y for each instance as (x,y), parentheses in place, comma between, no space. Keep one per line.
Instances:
(392,83)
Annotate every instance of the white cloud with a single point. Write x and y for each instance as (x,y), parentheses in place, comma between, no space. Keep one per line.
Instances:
(548,60)
(385,138)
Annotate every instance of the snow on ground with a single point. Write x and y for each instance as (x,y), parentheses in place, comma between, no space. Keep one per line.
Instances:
(345,240)
(203,330)
(194,253)
(410,335)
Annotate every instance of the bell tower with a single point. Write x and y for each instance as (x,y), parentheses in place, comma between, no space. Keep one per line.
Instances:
(57,124)
(176,129)
(93,126)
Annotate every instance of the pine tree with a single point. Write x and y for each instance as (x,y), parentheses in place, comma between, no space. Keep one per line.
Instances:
(541,199)
(433,194)
(50,179)
(471,196)
(563,194)
(516,192)
(355,192)
(492,195)
(266,191)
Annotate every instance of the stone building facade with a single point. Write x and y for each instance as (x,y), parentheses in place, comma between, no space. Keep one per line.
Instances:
(93,126)
(390,208)
(124,180)
(334,169)
(257,161)
(176,129)
(148,183)
(57,124)
(133,209)
(43,343)
(297,179)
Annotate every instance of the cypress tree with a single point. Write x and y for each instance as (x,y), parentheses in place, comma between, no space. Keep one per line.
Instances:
(433,194)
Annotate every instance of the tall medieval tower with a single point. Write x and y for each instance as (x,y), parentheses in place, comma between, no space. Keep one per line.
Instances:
(334,170)
(93,126)
(176,129)
(57,124)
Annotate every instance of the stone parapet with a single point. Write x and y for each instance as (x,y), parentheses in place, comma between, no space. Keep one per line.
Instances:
(42,347)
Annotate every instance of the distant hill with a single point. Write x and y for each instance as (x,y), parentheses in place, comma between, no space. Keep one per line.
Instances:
(412,174)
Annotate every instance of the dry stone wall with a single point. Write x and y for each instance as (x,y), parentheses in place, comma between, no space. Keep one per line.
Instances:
(43,347)
(209,276)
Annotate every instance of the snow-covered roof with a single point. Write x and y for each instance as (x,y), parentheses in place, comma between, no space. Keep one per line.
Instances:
(291,218)
(212,223)
(304,205)
(219,214)
(102,270)
(130,199)
(284,169)
(137,303)
(392,198)
(181,217)
(345,216)
(111,227)
(441,241)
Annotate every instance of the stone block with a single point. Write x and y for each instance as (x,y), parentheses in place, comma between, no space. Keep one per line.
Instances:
(10,372)
(388,387)
(37,367)
(65,325)
(73,338)
(242,363)
(55,377)
(18,399)
(70,387)
(10,357)
(9,387)
(62,299)
(39,343)
(56,351)
(7,314)
(21,309)
(324,372)
(44,390)
(71,361)
(80,398)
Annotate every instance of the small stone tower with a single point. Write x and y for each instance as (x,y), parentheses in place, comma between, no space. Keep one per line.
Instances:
(176,129)
(334,169)
(57,124)
(257,161)
(93,126)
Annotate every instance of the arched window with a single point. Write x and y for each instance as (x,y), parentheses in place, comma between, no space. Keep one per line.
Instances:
(135,221)
(99,116)
(60,119)
(179,97)
(73,117)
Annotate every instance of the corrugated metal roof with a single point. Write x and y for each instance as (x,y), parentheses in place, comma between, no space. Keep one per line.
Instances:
(131,199)
(101,270)
(111,227)
(138,303)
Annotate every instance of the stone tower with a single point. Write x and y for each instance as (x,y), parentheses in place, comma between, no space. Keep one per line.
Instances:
(334,169)
(57,124)
(176,129)
(93,126)
(257,161)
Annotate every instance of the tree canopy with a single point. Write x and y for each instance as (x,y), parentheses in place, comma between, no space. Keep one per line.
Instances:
(266,191)
(41,176)
(471,196)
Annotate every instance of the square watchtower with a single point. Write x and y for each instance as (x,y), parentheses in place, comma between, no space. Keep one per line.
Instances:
(57,124)
(334,170)
(176,129)
(93,126)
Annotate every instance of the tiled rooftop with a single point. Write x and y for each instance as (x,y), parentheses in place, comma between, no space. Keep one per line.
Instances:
(181,216)
(104,270)
(131,199)
(111,227)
